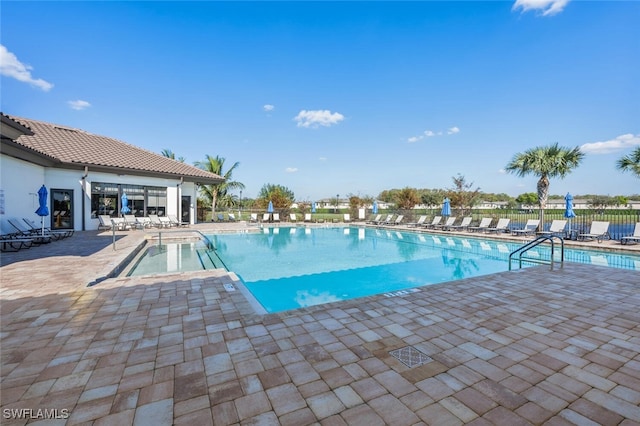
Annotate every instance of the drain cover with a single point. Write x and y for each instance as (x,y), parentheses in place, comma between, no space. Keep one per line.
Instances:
(410,356)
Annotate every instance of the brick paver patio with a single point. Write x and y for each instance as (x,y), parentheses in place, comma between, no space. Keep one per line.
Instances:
(532,346)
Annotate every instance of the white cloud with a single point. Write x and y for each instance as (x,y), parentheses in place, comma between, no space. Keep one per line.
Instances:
(502,171)
(268,108)
(291,169)
(429,133)
(414,139)
(10,66)
(619,143)
(79,105)
(545,7)
(322,158)
(453,130)
(314,119)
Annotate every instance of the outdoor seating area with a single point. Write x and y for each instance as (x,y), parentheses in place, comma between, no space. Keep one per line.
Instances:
(18,234)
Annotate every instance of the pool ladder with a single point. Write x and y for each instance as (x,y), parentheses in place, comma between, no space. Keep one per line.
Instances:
(535,242)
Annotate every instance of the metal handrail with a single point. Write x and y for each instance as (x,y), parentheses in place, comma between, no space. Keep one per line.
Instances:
(208,242)
(535,242)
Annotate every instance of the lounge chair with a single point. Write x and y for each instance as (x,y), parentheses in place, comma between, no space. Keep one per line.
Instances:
(253,218)
(501,226)
(484,224)
(174,221)
(144,222)
(266,217)
(598,231)
(346,217)
(375,220)
(419,222)
(221,217)
(36,227)
(276,217)
(449,222)
(397,220)
(24,232)
(307,217)
(556,228)
(435,222)
(132,221)
(462,226)
(231,217)
(634,238)
(388,220)
(155,220)
(105,221)
(529,228)
(120,224)
(15,244)
(165,221)
(293,218)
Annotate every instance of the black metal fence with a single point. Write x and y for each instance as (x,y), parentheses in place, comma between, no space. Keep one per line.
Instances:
(621,222)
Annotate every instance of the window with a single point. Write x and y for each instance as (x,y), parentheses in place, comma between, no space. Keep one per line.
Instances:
(143,200)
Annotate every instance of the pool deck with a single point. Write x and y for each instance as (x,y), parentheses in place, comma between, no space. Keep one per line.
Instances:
(532,346)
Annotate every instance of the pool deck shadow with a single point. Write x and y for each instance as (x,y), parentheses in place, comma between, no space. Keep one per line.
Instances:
(531,346)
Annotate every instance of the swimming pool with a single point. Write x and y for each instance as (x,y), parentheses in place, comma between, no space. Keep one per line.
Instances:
(288,268)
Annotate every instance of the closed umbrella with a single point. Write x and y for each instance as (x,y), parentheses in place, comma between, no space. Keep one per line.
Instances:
(375,207)
(270,207)
(568,210)
(313,207)
(43,210)
(446,208)
(125,204)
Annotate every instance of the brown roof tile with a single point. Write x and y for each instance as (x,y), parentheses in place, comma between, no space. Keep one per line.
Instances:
(79,148)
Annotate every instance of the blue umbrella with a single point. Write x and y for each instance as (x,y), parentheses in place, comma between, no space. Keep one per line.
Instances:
(375,207)
(313,207)
(125,204)
(270,208)
(446,207)
(43,210)
(568,210)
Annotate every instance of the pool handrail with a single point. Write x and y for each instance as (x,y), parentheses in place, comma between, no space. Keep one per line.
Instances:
(533,243)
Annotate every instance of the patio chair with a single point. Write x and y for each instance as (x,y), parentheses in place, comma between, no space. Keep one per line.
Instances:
(175,222)
(449,222)
(307,217)
(59,233)
(165,221)
(375,219)
(231,217)
(132,221)
(482,226)
(293,217)
(435,222)
(23,232)
(556,228)
(598,231)
(155,220)
(397,220)
(15,244)
(144,222)
(253,218)
(634,238)
(120,224)
(529,228)
(346,217)
(276,217)
(462,226)
(419,222)
(387,220)
(266,217)
(501,226)
(105,221)
(220,217)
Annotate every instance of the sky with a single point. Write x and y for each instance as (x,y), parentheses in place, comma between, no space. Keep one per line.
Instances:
(340,98)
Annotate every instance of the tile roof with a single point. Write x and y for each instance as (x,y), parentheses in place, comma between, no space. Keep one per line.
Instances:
(75,147)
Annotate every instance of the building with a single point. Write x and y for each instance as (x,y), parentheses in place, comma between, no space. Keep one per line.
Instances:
(86,175)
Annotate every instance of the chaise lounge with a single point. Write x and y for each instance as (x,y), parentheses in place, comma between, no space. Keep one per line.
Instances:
(598,231)
(634,238)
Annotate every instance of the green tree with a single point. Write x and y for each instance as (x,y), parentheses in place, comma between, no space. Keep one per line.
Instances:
(528,198)
(217,191)
(545,162)
(280,196)
(462,195)
(432,197)
(170,154)
(630,163)
(406,198)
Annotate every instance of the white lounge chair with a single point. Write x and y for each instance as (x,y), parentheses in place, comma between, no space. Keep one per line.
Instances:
(266,217)
(419,222)
(375,219)
(462,226)
(598,231)
(529,228)
(484,224)
(346,217)
(276,217)
(501,226)
(105,221)
(253,218)
(556,228)
(307,217)
(397,220)
(293,217)
(388,220)
(232,217)
(449,222)
(635,238)
(435,222)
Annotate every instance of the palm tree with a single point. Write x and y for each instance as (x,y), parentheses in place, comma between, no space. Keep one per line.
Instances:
(170,154)
(546,162)
(217,191)
(630,163)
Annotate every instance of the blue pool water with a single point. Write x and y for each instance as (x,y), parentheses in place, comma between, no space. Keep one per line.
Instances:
(288,268)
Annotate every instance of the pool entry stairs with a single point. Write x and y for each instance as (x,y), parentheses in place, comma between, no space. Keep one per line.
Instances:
(519,254)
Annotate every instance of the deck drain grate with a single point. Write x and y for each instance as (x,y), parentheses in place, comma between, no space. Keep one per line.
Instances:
(410,356)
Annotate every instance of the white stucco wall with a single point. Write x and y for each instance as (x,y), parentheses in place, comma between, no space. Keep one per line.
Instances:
(20,181)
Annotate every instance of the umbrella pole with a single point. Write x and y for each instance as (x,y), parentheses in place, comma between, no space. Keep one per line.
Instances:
(42,222)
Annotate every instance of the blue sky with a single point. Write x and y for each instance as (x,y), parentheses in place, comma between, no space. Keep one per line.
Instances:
(341,98)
